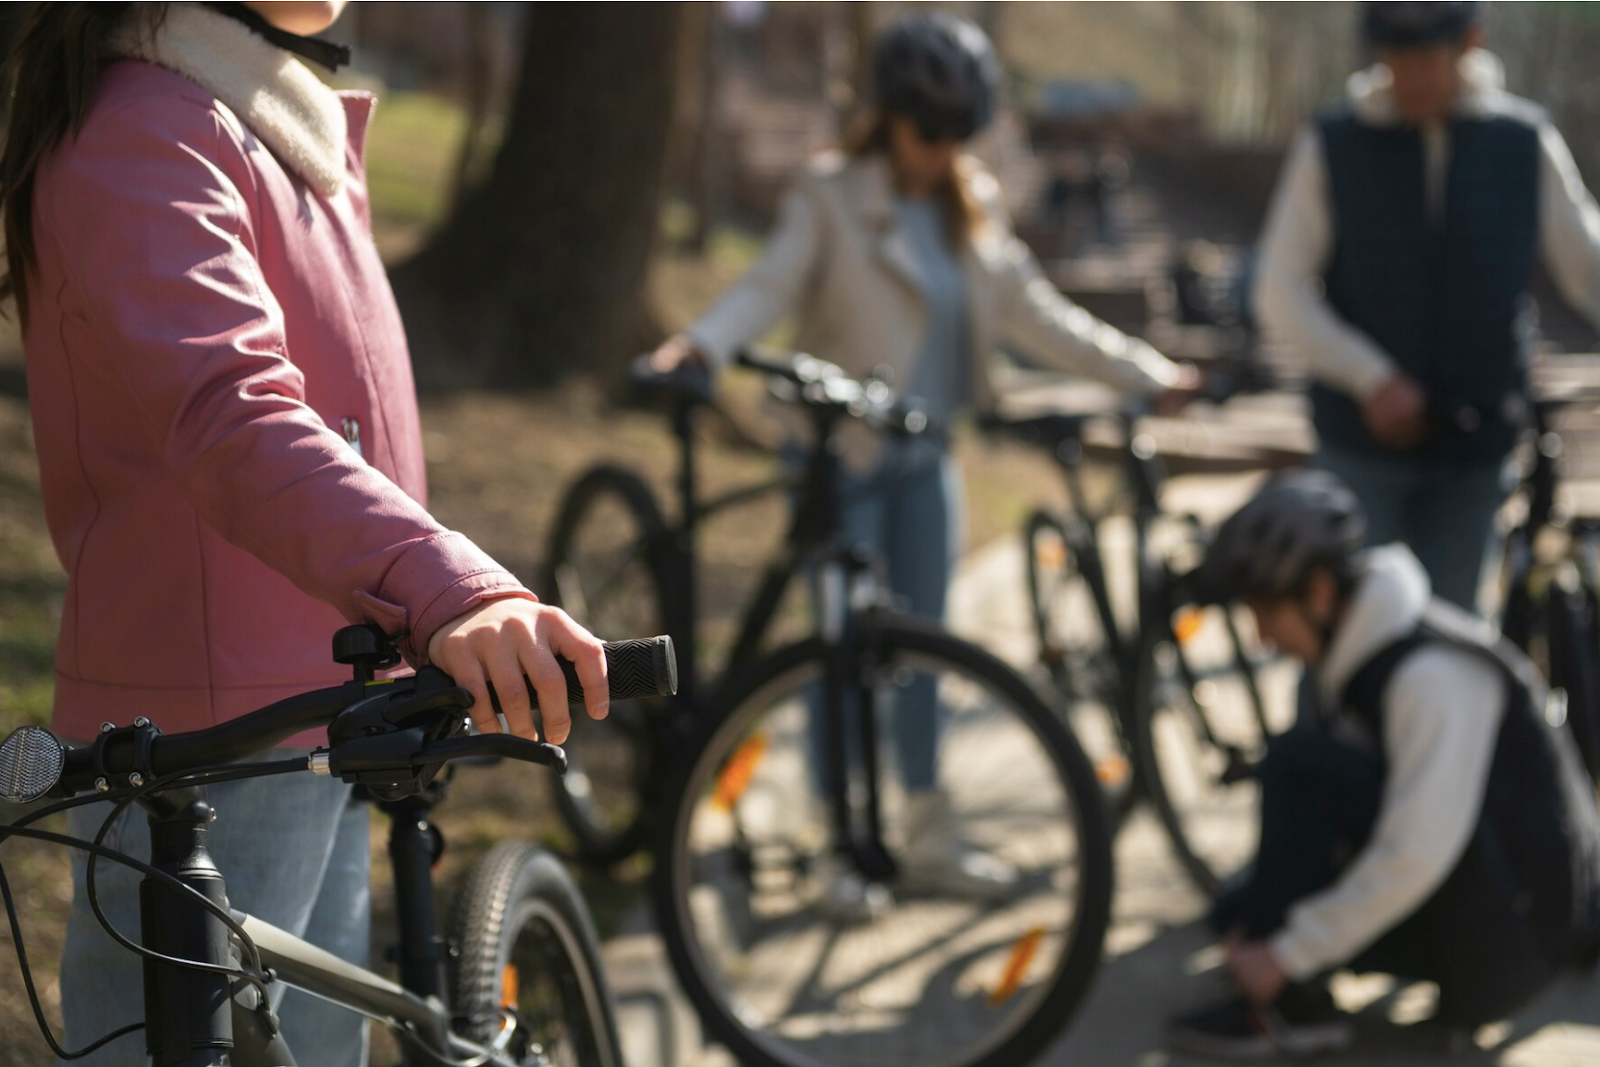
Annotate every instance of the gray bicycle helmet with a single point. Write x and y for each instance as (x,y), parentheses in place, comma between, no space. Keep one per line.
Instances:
(938,70)
(1415,25)
(1298,521)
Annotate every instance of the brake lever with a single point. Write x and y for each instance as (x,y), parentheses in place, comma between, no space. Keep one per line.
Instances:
(505,745)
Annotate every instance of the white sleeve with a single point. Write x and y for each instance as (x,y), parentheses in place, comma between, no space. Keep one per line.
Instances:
(1036,317)
(1441,721)
(1569,226)
(770,289)
(1290,260)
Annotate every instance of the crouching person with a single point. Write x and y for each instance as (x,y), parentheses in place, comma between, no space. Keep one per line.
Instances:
(1428,821)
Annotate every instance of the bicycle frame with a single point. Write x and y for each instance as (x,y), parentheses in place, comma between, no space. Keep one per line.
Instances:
(203,1019)
(1142,474)
(810,536)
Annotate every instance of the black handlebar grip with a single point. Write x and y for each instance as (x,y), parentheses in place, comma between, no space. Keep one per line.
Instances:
(647,667)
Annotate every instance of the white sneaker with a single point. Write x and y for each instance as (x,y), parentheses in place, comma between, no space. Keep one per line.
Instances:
(937,859)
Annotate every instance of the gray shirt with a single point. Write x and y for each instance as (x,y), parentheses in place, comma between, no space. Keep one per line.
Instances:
(940,373)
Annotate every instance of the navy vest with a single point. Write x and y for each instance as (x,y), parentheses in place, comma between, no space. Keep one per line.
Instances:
(1537,801)
(1445,298)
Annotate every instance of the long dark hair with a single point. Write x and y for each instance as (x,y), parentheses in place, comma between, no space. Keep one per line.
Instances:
(50,80)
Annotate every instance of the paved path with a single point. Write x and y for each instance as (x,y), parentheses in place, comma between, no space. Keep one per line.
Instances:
(1158,958)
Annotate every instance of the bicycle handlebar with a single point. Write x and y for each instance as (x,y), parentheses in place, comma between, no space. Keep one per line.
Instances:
(1049,428)
(825,387)
(33,762)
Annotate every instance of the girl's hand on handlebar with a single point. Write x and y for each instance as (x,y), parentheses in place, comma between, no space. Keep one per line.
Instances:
(675,351)
(499,642)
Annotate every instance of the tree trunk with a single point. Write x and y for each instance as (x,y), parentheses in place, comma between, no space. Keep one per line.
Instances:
(540,272)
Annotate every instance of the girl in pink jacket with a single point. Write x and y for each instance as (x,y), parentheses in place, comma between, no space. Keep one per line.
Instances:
(228,442)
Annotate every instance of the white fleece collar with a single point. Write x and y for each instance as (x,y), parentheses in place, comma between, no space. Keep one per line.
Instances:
(299,118)
(1483,80)
(1389,601)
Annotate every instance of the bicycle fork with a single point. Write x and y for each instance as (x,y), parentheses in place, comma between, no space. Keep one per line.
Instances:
(849,708)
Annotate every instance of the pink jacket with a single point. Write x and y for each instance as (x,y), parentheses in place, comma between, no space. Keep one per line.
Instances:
(202,318)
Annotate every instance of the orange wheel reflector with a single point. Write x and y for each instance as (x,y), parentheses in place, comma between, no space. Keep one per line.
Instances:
(737,772)
(1186,625)
(1022,954)
(1050,553)
(1112,770)
(510,986)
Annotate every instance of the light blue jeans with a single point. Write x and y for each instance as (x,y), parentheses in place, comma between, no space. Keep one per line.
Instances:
(293,852)
(1444,512)
(908,513)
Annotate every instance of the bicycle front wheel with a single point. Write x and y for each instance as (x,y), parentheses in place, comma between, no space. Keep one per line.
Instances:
(604,570)
(787,969)
(1075,651)
(1200,728)
(1572,639)
(527,960)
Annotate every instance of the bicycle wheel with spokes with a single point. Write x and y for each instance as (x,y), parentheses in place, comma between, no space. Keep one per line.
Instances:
(916,969)
(1075,653)
(605,570)
(1571,645)
(1200,727)
(526,975)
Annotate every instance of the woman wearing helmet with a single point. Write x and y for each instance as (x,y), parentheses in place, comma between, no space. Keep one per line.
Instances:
(1427,821)
(896,253)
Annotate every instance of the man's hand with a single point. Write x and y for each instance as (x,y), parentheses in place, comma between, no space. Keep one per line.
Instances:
(499,642)
(1255,970)
(1396,412)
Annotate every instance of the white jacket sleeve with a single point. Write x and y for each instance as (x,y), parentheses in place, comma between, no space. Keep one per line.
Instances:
(1290,260)
(1036,317)
(1442,719)
(770,289)
(1569,226)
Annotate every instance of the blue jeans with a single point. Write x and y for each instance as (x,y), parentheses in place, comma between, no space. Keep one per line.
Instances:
(1444,512)
(908,513)
(293,852)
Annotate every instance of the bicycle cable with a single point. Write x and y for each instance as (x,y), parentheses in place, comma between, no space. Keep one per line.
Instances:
(33,993)
(204,776)
(23,828)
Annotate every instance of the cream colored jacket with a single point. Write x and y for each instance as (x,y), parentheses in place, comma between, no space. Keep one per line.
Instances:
(838,262)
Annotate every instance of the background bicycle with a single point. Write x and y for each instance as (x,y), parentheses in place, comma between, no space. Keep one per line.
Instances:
(1173,697)
(804,866)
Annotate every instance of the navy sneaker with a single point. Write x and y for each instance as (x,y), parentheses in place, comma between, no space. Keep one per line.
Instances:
(1302,1022)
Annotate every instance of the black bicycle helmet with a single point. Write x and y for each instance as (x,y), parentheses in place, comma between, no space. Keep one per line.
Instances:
(938,70)
(1414,25)
(1298,521)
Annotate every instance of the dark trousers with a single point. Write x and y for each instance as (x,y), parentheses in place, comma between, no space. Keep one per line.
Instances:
(1319,800)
